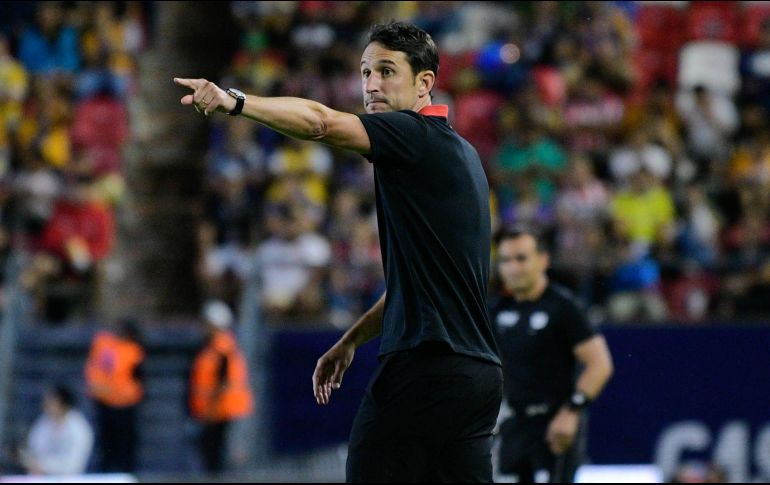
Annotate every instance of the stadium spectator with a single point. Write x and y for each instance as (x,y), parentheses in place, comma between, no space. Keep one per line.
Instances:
(79,235)
(644,213)
(219,386)
(699,228)
(710,118)
(36,190)
(582,211)
(292,261)
(59,119)
(51,45)
(593,92)
(690,297)
(755,70)
(640,154)
(61,440)
(635,285)
(581,73)
(532,152)
(114,377)
(226,232)
(14,83)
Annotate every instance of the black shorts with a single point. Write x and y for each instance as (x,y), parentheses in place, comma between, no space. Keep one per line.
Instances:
(427,416)
(525,457)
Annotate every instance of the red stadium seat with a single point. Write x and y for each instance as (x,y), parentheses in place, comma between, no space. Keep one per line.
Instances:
(653,65)
(450,65)
(100,127)
(712,22)
(724,5)
(648,66)
(753,17)
(658,26)
(670,67)
(551,85)
(476,119)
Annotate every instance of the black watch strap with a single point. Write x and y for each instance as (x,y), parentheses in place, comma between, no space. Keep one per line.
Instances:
(239,102)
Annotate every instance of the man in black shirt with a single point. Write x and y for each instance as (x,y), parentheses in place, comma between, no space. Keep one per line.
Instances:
(430,409)
(543,335)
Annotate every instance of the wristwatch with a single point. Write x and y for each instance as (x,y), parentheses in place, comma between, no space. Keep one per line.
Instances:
(240,99)
(578,401)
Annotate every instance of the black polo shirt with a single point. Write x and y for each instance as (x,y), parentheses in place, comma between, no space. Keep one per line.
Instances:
(536,340)
(433,216)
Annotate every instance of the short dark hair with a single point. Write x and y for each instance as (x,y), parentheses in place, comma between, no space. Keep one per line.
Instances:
(516,232)
(417,44)
(129,328)
(64,395)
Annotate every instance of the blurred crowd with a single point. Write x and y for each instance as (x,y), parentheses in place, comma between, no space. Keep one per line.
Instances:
(66,72)
(633,134)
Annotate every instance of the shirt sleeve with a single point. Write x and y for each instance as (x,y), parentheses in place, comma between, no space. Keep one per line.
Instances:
(396,138)
(578,328)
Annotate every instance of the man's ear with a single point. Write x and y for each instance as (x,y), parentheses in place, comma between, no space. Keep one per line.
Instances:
(425,82)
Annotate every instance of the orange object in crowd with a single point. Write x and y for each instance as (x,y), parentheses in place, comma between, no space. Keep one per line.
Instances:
(212,400)
(110,370)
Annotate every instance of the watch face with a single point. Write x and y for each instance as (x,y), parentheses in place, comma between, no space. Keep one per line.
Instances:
(235,93)
(578,399)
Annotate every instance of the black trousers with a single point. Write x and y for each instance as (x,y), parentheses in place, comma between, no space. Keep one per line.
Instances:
(212,446)
(118,438)
(427,416)
(525,456)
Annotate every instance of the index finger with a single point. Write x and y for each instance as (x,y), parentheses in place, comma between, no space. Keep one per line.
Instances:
(189,83)
(315,379)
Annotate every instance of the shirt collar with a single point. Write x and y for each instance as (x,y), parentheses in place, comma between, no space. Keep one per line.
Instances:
(441,110)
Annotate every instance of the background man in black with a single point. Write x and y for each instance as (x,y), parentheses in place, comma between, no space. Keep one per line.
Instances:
(543,335)
(430,409)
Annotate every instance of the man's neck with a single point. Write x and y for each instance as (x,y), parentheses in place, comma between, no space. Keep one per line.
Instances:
(60,418)
(421,104)
(533,293)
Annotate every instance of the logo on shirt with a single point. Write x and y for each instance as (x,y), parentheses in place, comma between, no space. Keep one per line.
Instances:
(507,319)
(538,320)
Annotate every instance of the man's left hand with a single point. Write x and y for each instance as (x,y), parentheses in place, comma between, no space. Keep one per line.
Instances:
(562,430)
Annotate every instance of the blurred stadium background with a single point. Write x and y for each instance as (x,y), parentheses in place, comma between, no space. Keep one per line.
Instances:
(635,134)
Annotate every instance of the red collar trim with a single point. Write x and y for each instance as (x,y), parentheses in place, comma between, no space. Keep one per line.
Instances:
(435,110)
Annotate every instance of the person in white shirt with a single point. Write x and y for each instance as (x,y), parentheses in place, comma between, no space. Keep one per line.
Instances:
(710,119)
(61,440)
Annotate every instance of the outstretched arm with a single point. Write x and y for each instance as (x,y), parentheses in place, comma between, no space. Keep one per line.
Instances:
(333,364)
(299,118)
